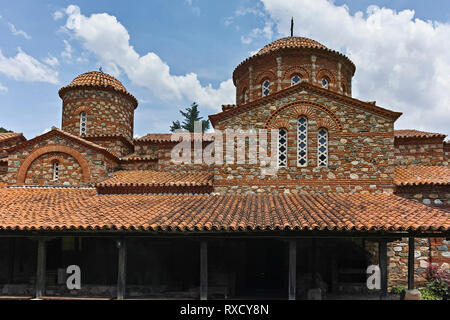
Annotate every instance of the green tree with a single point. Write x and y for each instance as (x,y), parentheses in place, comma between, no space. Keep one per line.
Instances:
(3,130)
(190,115)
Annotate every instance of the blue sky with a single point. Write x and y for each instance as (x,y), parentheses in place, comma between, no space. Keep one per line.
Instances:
(180,51)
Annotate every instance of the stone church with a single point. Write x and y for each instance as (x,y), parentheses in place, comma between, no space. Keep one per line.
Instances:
(349,192)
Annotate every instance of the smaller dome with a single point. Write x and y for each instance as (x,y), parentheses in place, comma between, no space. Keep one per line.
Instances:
(291,42)
(97,79)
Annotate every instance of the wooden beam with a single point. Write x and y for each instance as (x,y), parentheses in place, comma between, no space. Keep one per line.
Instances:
(41,267)
(122,271)
(382,258)
(203,270)
(292,269)
(411,259)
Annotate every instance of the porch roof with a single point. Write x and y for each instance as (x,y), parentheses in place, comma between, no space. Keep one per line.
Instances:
(70,209)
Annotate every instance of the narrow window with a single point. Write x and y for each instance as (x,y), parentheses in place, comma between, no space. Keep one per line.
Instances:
(322,148)
(295,80)
(302,142)
(83,124)
(265,88)
(325,83)
(282,148)
(55,171)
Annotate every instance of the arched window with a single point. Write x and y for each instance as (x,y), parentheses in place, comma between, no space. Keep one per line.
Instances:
(295,80)
(83,124)
(302,142)
(245,96)
(322,148)
(265,87)
(282,147)
(325,83)
(55,171)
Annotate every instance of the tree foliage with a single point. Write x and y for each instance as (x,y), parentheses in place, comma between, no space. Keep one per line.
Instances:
(190,116)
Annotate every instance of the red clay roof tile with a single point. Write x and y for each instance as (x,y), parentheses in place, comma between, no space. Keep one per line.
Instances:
(409,133)
(420,175)
(80,209)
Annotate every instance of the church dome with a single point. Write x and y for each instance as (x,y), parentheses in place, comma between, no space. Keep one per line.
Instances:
(97,79)
(291,42)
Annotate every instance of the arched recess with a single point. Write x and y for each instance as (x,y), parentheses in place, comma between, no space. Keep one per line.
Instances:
(296,70)
(308,109)
(86,174)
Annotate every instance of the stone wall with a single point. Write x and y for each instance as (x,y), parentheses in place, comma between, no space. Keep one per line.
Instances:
(434,195)
(108,112)
(81,164)
(361,148)
(447,151)
(9,143)
(116,145)
(427,152)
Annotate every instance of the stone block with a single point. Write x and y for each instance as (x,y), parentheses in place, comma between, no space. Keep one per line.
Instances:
(413,295)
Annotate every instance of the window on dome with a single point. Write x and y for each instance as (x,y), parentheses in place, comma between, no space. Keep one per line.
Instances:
(265,88)
(325,83)
(302,142)
(282,147)
(322,148)
(245,96)
(55,171)
(83,124)
(295,80)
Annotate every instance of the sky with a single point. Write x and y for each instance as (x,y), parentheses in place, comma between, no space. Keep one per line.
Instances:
(171,53)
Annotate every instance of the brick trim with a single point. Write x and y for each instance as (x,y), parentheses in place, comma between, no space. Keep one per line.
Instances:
(86,174)
(300,70)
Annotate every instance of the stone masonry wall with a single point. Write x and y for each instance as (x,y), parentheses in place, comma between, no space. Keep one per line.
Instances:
(427,152)
(361,148)
(434,195)
(8,143)
(108,112)
(91,166)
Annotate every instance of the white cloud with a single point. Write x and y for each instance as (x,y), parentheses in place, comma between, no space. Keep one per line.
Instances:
(24,67)
(58,15)
(106,38)
(267,32)
(51,61)
(402,62)
(67,53)
(16,32)
(3,88)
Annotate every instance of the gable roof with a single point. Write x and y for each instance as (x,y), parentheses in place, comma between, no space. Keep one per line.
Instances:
(83,209)
(10,135)
(56,131)
(299,87)
(170,138)
(422,175)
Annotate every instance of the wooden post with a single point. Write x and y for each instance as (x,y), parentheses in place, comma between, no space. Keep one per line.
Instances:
(382,258)
(292,269)
(411,263)
(41,268)
(122,272)
(203,270)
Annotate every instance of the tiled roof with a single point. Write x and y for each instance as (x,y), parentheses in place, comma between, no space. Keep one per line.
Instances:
(169,137)
(97,79)
(75,209)
(291,42)
(158,178)
(9,135)
(409,133)
(420,175)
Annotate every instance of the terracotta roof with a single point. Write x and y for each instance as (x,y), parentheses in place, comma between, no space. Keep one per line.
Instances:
(409,133)
(158,178)
(291,42)
(300,87)
(9,135)
(97,80)
(78,209)
(169,137)
(420,175)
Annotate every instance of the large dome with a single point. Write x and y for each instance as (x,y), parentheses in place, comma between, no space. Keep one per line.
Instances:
(97,79)
(291,42)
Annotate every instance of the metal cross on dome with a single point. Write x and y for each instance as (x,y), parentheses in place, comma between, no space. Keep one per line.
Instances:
(292,27)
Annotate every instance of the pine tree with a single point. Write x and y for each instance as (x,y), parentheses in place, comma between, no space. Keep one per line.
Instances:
(190,115)
(3,130)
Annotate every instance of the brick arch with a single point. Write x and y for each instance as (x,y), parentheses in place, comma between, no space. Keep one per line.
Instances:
(269,75)
(86,174)
(327,124)
(289,73)
(326,73)
(55,159)
(279,124)
(306,108)
(81,109)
